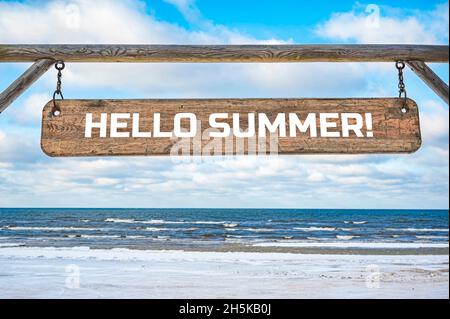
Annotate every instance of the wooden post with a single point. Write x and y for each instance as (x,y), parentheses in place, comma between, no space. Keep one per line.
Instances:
(24,82)
(224,53)
(430,78)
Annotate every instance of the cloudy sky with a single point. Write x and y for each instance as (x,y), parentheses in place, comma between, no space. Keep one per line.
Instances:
(30,179)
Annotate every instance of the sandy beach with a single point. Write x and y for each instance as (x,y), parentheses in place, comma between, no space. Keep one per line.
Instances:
(27,272)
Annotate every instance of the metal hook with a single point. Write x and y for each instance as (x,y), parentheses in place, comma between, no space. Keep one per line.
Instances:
(60,65)
(56,110)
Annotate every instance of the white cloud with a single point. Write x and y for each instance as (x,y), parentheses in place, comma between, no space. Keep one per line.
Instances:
(83,21)
(5,165)
(279,181)
(316,177)
(18,145)
(375,27)
(188,9)
(434,122)
(30,111)
(102,21)
(106,181)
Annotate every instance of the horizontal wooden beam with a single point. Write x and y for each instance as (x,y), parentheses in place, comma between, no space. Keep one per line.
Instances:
(224,53)
(24,82)
(430,78)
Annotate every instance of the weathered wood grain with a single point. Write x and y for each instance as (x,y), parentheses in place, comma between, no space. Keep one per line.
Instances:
(64,135)
(430,78)
(224,53)
(20,85)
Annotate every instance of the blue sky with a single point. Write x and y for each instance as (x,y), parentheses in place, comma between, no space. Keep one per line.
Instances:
(29,178)
(281,19)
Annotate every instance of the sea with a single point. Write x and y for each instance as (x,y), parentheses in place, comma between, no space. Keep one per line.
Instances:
(165,229)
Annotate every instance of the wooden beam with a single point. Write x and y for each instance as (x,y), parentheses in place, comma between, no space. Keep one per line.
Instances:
(24,82)
(224,53)
(430,78)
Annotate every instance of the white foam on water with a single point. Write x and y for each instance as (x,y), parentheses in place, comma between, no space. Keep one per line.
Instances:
(346,237)
(362,245)
(120,220)
(317,238)
(242,236)
(100,236)
(134,221)
(418,229)
(432,237)
(19,228)
(231,225)
(199,222)
(156,221)
(155,229)
(310,229)
(207,222)
(86,236)
(259,230)
(162,222)
(11,245)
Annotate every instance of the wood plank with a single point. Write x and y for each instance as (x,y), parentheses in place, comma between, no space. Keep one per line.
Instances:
(430,78)
(31,75)
(392,131)
(224,53)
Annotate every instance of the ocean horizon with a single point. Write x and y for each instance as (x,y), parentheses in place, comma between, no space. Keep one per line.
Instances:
(224,229)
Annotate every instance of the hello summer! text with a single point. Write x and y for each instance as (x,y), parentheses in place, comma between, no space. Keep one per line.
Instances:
(187,125)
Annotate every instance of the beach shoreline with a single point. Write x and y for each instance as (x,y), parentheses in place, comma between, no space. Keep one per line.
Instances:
(33,272)
(308,249)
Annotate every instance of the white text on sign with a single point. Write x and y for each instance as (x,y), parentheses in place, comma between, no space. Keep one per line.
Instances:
(126,125)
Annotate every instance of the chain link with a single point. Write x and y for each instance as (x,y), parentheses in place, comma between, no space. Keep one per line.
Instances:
(400,65)
(58,91)
(401,81)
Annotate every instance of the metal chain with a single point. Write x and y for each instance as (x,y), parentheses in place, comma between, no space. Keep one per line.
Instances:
(59,65)
(400,65)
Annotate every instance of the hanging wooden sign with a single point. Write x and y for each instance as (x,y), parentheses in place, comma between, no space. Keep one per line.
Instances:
(230,126)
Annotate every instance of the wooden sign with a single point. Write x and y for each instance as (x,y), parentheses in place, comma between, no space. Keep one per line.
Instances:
(230,126)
